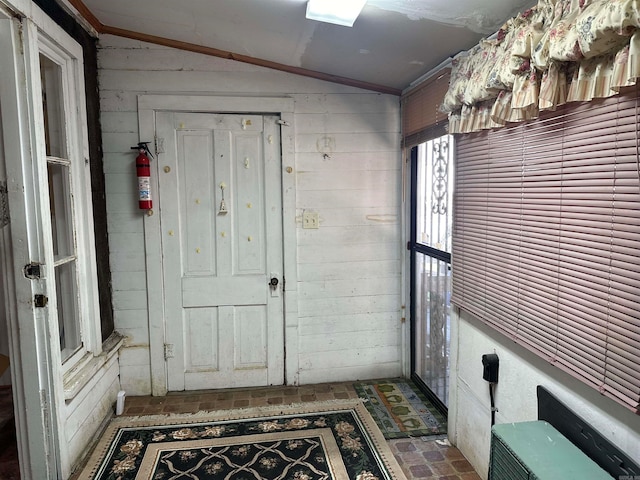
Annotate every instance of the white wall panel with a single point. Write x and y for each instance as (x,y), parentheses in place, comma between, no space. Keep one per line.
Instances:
(348,142)
(366,180)
(117,162)
(155,58)
(351,253)
(86,412)
(347,198)
(135,379)
(348,270)
(119,122)
(345,122)
(339,324)
(236,82)
(117,100)
(354,161)
(124,222)
(345,102)
(348,290)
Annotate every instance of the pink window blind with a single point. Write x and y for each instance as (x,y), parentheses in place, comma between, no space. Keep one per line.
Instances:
(546,239)
(422,118)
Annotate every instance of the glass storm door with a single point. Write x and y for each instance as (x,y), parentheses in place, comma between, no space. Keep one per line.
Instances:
(430,250)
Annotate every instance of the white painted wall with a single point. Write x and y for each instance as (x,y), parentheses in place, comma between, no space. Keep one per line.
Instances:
(520,373)
(87,412)
(349,270)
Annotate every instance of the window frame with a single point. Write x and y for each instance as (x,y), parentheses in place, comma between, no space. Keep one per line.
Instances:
(67,54)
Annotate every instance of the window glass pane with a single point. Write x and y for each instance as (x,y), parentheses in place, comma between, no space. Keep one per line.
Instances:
(432,323)
(52,105)
(68,321)
(61,219)
(434,194)
(61,211)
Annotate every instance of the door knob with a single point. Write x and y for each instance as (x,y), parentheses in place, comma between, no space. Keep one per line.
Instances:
(273,283)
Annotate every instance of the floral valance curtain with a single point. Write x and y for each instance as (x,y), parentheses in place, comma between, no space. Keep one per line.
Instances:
(556,52)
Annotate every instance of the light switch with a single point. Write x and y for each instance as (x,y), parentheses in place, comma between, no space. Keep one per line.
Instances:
(310,220)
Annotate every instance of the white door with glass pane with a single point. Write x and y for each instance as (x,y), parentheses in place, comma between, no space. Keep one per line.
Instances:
(55,320)
(221,218)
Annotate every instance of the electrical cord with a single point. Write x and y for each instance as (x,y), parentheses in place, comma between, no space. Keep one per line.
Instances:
(493,403)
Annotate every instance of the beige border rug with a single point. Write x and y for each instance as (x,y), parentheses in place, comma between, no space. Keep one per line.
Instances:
(331,440)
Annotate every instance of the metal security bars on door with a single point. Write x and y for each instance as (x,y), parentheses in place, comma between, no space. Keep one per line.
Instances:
(431,226)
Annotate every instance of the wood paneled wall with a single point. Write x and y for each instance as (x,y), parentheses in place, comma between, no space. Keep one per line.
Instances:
(349,270)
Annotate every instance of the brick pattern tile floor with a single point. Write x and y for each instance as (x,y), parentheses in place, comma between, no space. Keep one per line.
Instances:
(419,457)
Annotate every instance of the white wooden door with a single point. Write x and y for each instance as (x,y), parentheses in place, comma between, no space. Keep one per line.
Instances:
(22,242)
(221,218)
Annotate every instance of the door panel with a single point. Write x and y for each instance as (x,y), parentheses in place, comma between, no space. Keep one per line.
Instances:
(251,336)
(221,220)
(201,333)
(203,291)
(197,223)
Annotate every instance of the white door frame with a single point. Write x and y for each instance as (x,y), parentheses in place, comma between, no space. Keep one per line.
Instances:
(283,106)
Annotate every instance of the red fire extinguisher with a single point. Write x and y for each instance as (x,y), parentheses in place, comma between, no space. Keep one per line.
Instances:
(143,171)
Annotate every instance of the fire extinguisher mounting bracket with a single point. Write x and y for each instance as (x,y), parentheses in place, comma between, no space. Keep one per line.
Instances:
(143,147)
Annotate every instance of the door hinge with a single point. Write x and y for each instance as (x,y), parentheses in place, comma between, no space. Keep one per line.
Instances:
(168,351)
(40,301)
(159,144)
(33,271)
(283,122)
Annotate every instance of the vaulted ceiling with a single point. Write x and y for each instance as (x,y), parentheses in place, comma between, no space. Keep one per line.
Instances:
(392,43)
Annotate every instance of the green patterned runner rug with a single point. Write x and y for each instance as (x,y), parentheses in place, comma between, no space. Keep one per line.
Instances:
(333,440)
(400,409)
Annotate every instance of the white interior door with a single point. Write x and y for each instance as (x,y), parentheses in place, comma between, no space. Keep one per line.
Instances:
(221,219)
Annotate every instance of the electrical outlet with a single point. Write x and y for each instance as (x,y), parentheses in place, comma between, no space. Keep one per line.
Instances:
(310,220)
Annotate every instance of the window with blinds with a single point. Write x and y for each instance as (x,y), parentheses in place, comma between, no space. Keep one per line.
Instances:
(422,118)
(546,239)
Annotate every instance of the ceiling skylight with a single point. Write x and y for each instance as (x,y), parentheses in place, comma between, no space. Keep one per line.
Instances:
(340,12)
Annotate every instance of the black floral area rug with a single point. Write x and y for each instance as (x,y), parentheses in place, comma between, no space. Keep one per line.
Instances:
(312,441)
